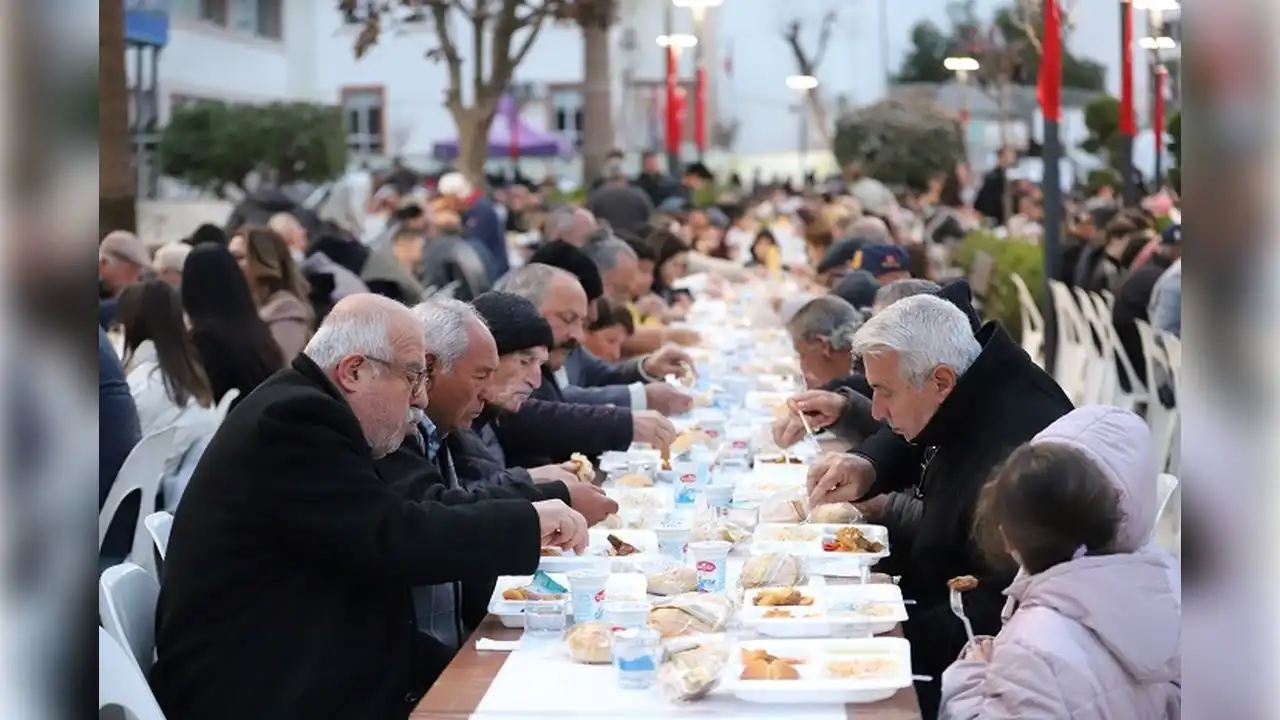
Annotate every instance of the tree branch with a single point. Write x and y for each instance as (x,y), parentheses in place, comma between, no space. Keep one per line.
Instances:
(824,37)
(453,62)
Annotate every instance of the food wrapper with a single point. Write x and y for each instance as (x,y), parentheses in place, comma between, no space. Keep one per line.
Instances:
(672,580)
(542,585)
(691,614)
(590,643)
(835,514)
(691,667)
(773,570)
(709,528)
(788,506)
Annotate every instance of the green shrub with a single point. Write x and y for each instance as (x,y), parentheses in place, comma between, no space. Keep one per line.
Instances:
(1010,256)
(900,141)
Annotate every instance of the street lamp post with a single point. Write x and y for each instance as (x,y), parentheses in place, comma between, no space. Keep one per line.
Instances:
(698,9)
(962,66)
(1156,42)
(803,85)
(674,44)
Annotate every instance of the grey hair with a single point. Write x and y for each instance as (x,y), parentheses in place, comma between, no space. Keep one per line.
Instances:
(607,252)
(926,332)
(871,230)
(364,333)
(901,289)
(444,322)
(559,222)
(828,317)
(531,282)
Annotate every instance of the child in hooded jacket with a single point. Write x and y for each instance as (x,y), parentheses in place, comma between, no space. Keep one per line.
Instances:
(1093,624)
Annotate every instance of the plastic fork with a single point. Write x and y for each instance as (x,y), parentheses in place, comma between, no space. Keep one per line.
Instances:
(957,607)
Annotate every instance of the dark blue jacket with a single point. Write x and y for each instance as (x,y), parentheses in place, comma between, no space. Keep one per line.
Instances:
(484,225)
(118,432)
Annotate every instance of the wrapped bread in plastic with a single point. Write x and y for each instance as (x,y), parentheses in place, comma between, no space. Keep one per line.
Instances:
(835,514)
(591,643)
(579,465)
(772,570)
(691,667)
(673,580)
(691,614)
(715,529)
(788,506)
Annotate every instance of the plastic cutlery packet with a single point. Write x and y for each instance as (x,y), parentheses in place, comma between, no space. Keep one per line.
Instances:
(692,666)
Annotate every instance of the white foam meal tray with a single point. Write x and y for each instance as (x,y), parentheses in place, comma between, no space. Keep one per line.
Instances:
(805,539)
(644,540)
(873,608)
(882,665)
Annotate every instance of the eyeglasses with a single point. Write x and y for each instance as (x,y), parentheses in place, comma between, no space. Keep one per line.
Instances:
(416,377)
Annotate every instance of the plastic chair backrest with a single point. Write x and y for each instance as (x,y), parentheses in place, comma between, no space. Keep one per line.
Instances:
(1154,354)
(127,597)
(141,472)
(158,524)
(1165,485)
(121,684)
(1173,355)
(1104,308)
(224,405)
(1031,317)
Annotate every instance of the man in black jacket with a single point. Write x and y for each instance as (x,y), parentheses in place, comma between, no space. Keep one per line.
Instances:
(958,404)
(547,429)
(286,588)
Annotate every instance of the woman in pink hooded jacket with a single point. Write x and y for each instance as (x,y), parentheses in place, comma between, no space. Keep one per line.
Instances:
(1093,623)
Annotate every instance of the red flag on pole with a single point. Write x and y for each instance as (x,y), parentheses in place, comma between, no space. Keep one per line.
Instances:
(1128,123)
(1049,84)
(673,118)
(1157,125)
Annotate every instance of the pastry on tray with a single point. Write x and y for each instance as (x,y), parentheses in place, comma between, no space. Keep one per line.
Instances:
(781,597)
(620,548)
(760,665)
(851,539)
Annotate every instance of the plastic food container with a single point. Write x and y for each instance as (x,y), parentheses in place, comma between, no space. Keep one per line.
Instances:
(869,609)
(834,672)
(511,612)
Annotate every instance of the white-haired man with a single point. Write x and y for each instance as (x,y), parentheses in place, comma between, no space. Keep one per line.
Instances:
(286,590)
(960,403)
(482,221)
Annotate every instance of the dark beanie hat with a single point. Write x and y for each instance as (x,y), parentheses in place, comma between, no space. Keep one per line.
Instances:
(561,254)
(858,288)
(514,322)
(207,233)
(666,245)
(839,255)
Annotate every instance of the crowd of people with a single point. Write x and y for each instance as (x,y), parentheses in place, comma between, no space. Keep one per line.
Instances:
(410,373)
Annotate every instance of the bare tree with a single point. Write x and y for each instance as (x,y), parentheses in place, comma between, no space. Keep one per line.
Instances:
(1028,15)
(502,33)
(593,18)
(808,62)
(117,206)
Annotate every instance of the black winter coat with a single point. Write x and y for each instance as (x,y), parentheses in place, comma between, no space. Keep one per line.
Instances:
(999,403)
(548,430)
(286,587)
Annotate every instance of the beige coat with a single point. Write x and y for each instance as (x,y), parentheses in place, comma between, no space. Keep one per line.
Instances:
(290,321)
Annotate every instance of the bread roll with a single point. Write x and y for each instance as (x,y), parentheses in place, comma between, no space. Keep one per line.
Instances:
(582,467)
(673,581)
(772,570)
(835,514)
(635,481)
(591,643)
(766,669)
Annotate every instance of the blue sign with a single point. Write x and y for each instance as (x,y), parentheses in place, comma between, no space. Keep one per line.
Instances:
(146,22)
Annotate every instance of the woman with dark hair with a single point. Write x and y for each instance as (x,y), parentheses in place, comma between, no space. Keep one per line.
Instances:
(234,344)
(163,369)
(279,290)
(612,326)
(765,252)
(672,264)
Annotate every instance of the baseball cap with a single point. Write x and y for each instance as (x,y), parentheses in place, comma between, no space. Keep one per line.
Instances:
(880,259)
(1172,235)
(126,246)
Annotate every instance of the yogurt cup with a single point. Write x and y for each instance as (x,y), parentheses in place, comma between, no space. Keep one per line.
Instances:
(673,539)
(710,559)
(586,589)
(626,615)
(690,477)
(718,495)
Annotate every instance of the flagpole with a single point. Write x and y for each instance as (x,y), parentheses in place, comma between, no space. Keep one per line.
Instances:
(1050,82)
(1128,193)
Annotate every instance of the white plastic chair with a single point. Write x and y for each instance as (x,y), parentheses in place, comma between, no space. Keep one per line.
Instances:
(1101,370)
(1072,354)
(1032,321)
(127,597)
(1168,514)
(1173,352)
(1137,394)
(224,405)
(1162,420)
(141,472)
(120,684)
(158,524)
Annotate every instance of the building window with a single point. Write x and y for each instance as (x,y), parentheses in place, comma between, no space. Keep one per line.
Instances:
(270,19)
(214,11)
(357,15)
(264,18)
(365,112)
(566,110)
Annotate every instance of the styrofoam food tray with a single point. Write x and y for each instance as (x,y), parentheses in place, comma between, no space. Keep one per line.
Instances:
(876,608)
(511,612)
(816,685)
(808,541)
(644,540)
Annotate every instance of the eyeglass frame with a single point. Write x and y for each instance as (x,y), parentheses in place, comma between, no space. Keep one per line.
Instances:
(416,378)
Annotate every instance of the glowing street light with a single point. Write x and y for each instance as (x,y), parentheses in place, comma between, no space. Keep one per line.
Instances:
(1157,5)
(960,64)
(678,41)
(1157,43)
(802,82)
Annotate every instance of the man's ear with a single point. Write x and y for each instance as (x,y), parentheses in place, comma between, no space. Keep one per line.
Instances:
(945,379)
(827,350)
(349,371)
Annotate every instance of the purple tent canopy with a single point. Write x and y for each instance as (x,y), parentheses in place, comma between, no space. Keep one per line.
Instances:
(529,141)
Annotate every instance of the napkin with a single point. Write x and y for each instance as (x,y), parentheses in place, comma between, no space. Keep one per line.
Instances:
(489,645)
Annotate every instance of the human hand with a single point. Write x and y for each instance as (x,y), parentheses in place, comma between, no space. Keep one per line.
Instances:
(980,649)
(650,427)
(682,336)
(667,360)
(561,526)
(591,502)
(821,408)
(839,477)
(553,473)
(787,430)
(666,399)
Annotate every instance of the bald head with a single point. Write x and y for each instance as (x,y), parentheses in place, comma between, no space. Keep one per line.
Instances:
(572,225)
(870,230)
(288,227)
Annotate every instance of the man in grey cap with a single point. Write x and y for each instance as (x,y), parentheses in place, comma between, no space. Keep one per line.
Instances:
(122,261)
